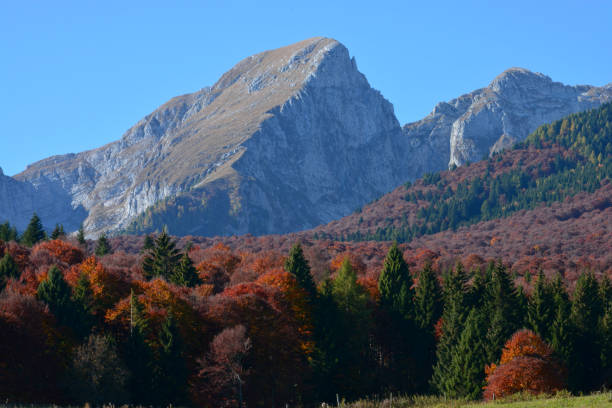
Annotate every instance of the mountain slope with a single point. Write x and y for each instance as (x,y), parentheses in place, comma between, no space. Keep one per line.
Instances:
(269,148)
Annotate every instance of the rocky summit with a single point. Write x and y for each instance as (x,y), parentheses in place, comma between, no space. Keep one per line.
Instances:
(286,140)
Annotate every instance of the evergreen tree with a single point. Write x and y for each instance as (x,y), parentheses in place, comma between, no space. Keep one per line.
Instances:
(8,270)
(185,273)
(480,290)
(34,232)
(81,235)
(102,246)
(605,292)
(466,372)
(606,345)
(297,265)
(561,333)
(56,293)
(505,312)
(58,231)
(138,356)
(453,320)
(170,373)
(427,299)
(83,298)
(395,284)
(163,259)
(8,233)
(585,314)
(149,243)
(541,308)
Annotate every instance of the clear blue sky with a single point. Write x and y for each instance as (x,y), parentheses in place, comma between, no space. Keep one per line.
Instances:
(76,75)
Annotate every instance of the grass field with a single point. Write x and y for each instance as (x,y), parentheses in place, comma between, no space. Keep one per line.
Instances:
(561,400)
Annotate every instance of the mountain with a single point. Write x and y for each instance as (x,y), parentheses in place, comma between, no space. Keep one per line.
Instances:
(286,140)
(487,120)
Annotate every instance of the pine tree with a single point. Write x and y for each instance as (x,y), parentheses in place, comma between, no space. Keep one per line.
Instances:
(427,299)
(395,284)
(185,273)
(8,270)
(102,246)
(81,236)
(297,265)
(34,232)
(58,231)
(586,311)
(453,320)
(163,259)
(466,371)
(541,308)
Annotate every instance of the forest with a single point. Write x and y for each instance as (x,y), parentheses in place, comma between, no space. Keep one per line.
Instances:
(86,322)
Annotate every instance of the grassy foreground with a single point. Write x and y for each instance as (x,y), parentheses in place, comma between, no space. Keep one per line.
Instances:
(561,400)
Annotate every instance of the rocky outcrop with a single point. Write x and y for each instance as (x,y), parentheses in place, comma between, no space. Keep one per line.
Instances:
(490,119)
(285,140)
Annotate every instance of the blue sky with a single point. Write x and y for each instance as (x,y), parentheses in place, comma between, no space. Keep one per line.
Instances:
(76,75)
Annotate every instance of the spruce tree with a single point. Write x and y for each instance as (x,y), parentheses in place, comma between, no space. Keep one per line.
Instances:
(139,356)
(8,233)
(395,284)
(102,246)
(148,243)
(56,293)
(466,371)
(83,298)
(34,232)
(58,231)
(453,320)
(297,265)
(605,292)
(170,373)
(8,270)
(427,299)
(606,343)
(505,312)
(185,273)
(561,332)
(585,315)
(541,308)
(163,259)
(81,236)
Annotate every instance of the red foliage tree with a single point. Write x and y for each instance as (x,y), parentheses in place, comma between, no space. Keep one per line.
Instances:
(527,364)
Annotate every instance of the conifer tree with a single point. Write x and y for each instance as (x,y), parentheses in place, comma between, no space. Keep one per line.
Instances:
(453,320)
(297,265)
(102,246)
(541,308)
(606,343)
(185,273)
(163,259)
(561,333)
(8,269)
(585,315)
(81,236)
(605,292)
(34,232)
(505,313)
(8,233)
(83,298)
(149,243)
(466,371)
(139,357)
(170,373)
(56,293)
(58,231)
(427,299)
(480,291)
(395,284)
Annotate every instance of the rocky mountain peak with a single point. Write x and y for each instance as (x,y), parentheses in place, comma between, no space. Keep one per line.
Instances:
(516,77)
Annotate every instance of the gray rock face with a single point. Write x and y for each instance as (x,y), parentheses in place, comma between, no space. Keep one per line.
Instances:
(493,118)
(285,140)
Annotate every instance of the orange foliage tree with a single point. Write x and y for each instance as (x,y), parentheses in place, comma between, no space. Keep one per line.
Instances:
(61,250)
(527,364)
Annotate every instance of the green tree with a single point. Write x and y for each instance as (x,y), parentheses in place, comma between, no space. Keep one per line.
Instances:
(163,259)
(8,270)
(606,342)
(297,265)
(561,332)
(148,243)
(541,308)
(466,371)
(453,320)
(58,231)
(56,293)
(81,235)
(139,356)
(102,246)
(34,232)
(83,298)
(170,373)
(395,284)
(8,233)
(427,299)
(585,315)
(185,273)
